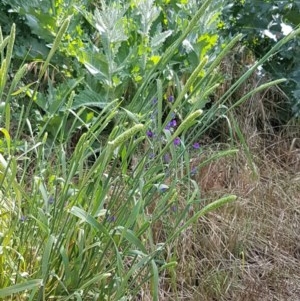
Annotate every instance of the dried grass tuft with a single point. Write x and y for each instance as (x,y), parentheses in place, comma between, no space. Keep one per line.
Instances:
(249,250)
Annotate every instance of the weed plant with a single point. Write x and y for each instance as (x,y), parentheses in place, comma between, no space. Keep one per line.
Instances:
(108,229)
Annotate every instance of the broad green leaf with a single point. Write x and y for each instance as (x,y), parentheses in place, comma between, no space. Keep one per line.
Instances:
(89,98)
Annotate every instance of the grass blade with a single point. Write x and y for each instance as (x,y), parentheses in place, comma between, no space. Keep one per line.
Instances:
(20,287)
(55,46)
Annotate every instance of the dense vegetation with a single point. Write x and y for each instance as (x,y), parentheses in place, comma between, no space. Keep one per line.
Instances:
(263,23)
(126,129)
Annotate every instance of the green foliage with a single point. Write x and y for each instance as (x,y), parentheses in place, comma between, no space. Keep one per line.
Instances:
(121,45)
(40,22)
(264,23)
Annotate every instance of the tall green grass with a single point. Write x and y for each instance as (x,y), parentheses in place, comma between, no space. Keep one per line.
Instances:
(71,229)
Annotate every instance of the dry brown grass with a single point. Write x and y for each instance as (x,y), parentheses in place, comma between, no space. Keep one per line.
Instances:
(249,250)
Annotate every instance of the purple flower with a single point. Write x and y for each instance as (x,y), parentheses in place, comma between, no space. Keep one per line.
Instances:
(151,156)
(149,133)
(51,200)
(196,145)
(111,218)
(193,171)
(23,218)
(171,124)
(154,101)
(177,141)
(167,158)
(173,208)
(171,98)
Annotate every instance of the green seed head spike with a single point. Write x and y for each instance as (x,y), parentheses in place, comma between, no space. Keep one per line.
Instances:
(125,136)
(186,123)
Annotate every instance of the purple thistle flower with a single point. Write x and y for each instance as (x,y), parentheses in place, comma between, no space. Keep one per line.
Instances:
(196,145)
(177,141)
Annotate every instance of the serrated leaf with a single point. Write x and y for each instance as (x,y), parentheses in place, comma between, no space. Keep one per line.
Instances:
(148,12)
(109,22)
(158,40)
